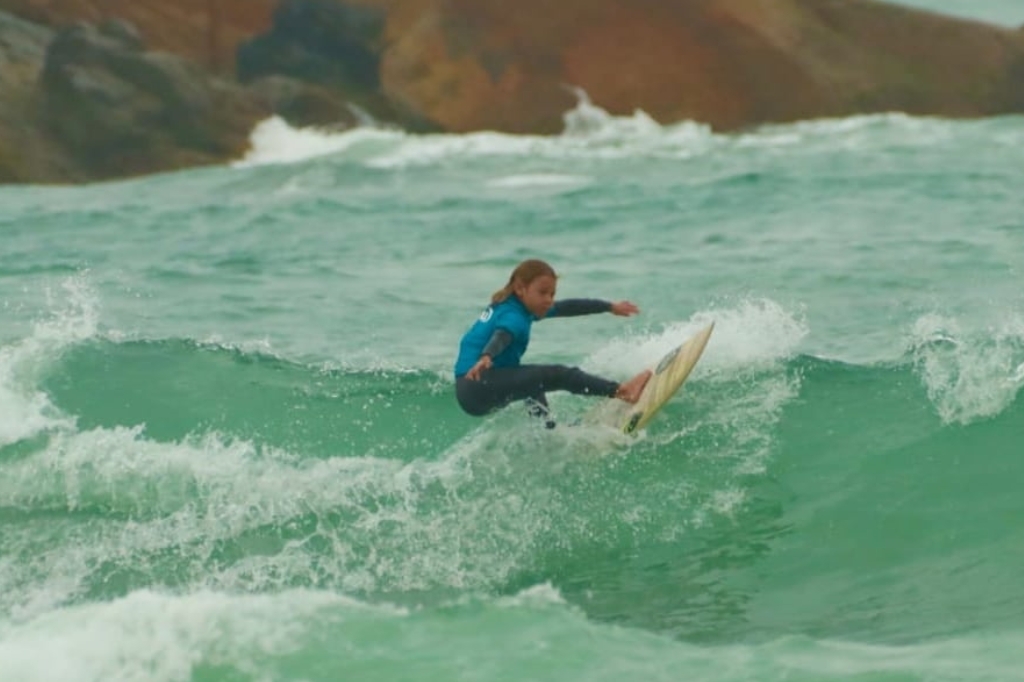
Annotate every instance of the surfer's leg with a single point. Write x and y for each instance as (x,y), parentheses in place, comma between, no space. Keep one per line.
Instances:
(537,405)
(477,398)
(498,387)
(533,381)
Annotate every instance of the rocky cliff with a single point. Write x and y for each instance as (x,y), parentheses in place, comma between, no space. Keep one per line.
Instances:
(151,85)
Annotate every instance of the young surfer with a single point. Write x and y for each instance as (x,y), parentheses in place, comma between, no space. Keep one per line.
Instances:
(488,373)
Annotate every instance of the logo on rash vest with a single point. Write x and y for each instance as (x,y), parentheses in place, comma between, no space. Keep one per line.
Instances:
(486,315)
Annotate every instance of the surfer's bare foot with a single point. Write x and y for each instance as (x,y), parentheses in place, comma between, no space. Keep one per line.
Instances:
(630,391)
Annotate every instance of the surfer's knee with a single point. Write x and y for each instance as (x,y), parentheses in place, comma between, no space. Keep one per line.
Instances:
(474,410)
(562,377)
(470,399)
(470,407)
(569,372)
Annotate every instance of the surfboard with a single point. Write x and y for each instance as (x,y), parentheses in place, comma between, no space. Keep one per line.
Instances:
(669,375)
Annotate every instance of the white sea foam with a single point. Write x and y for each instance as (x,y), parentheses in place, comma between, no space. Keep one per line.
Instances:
(318,635)
(745,358)
(152,637)
(749,334)
(538,180)
(274,141)
(970,374)
(24,409)
(590,133)
(358,515)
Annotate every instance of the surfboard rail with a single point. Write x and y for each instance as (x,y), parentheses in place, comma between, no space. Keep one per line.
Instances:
(669,376)
(670,373)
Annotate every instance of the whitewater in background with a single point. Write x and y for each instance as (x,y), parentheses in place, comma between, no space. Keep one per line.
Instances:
(229,447)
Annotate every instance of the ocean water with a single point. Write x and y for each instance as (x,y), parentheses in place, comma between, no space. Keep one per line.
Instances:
(229,448)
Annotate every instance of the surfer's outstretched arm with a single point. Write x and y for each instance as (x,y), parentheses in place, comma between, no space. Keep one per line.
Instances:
(573,307)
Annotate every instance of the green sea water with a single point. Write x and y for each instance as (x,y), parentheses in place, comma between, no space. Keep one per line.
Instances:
(229,448)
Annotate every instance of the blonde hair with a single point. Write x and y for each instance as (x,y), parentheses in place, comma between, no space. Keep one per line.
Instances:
(525,272)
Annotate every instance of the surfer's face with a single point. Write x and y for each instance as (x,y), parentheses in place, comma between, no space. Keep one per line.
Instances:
(538,296)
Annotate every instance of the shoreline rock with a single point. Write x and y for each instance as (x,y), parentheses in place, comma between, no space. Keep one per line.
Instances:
(86,100)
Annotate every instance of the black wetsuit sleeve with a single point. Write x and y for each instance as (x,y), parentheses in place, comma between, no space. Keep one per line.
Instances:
(572,307)
(499,341)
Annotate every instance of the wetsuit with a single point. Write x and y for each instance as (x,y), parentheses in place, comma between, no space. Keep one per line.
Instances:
(503,332)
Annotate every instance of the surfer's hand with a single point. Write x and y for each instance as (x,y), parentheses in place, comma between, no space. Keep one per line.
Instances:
(624,308)
(474,372)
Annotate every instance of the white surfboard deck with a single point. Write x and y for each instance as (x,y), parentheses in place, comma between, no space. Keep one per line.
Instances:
(669,375)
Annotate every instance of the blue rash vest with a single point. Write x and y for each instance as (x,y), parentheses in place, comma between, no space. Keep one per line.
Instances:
(510,315)
(513,317)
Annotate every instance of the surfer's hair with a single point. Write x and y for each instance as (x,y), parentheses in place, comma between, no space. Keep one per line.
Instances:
(525,272)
